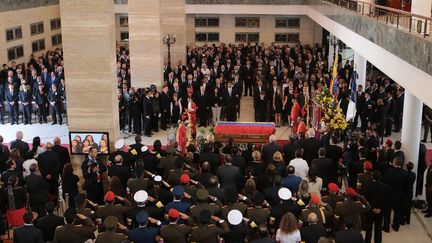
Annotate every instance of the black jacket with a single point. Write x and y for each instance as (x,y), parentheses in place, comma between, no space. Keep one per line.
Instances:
(48,224)
(63,154)
(312,233)
(23,147)
(27,234)
(37,188)
(348,236)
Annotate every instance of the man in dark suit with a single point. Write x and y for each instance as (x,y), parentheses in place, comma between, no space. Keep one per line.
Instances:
(313,231)
(399,109)
(22,146)
(396,179)
(147,113)
(230,100)
(390,113)
(49,167)
(203,103)
(74,233)
(310,146)
(229,175)
(325,167)
(398,152)
(237,160)
(348,235)
(368,112)
(359,100)
(377,195)
(27,233)
(290,148)
(248,73)
(269,149)
(210,156)
(49,223)
(56,102)
(41,100)
(12,99)
(25,97)
(119,170)
(37,189)
(356,168)
(164,100)
(92,169)
(61,151)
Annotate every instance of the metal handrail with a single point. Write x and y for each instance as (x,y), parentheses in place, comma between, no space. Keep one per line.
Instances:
(400,19)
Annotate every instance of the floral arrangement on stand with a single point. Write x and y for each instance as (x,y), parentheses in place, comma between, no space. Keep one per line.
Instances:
(332,113)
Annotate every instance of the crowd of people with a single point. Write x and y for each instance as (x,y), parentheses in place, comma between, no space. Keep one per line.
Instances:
(309,190)
(37,90)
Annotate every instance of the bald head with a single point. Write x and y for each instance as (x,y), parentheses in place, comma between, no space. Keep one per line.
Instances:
(118,159)
(312,218)
(19,135)
(57,141)
(206,166)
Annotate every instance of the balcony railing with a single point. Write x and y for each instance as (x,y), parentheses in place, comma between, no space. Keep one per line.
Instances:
(120,1)
(400,19)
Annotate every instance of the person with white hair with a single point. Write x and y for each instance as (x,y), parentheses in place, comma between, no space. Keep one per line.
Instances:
(269,149)
(22,146)
(311,145)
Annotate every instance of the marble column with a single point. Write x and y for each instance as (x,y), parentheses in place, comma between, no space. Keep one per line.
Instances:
(89,60)
(411,129)
(145,43)
(90,56)
(173,22)
(360,67)
(331,51)
(423,8)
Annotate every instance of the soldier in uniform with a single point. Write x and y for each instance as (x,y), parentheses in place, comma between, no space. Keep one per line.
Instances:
(143,233)
(174,232)
(81,206)
(258,213)
(364,179)
(112,209)
(287,204)
(322,210)
(12,104)
(208,233)
(352,208)
(55,99)
(185,181)
(110,235)
(74,233)
(202,197)
(178,203)
(144,203)
(232,202)
(333,197)
(25,96)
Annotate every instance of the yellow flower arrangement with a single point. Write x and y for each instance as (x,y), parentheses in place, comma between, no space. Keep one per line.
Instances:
(332,113)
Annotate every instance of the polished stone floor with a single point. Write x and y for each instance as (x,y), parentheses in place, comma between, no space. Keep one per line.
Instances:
(419,231)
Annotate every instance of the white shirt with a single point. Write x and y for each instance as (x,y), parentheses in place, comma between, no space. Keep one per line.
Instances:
(301,167)
(293,237)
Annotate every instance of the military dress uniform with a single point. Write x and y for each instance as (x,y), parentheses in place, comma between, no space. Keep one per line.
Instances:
(352,210)
(324,213)
(209,233)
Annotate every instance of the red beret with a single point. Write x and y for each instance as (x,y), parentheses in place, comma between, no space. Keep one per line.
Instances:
(315,199)
(368,166)
(350,192)
(301,127)
(184,179)
(109,196)
(332,187)
(389,142)
(173,213)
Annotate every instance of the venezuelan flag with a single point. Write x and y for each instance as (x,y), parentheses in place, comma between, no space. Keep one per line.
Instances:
(333,82)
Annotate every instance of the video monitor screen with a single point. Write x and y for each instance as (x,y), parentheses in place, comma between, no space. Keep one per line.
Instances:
(81,142)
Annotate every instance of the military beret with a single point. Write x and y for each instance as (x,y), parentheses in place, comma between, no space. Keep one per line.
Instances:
(110,222)
(178,191)
(332,187)
(368,166)
(315,199)
(202,194)
(142,217)
(173,213)
(184,178)
(350,192)
(109,196)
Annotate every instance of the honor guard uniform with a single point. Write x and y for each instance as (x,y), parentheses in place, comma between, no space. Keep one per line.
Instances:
(189,189)
(364,179)
(111,209)
(143,204)
(258,214)
(174,232)
(202,197)
(352,209)
(177,203)
(232,202)
(208,233)
(110,235)
(143,233)
(333,197)
(322,210)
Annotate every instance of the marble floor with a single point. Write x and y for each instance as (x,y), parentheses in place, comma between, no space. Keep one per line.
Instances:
(419,231)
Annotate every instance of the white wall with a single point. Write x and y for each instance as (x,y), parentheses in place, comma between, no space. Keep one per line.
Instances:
(310,32)
(24,18)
